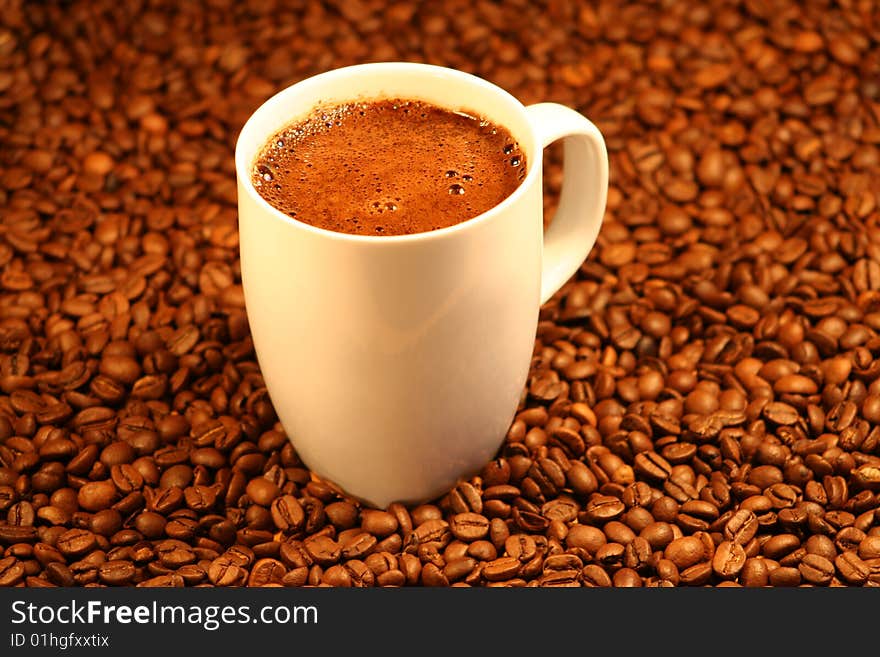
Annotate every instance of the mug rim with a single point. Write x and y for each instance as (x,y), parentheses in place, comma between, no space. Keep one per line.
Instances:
(534,165)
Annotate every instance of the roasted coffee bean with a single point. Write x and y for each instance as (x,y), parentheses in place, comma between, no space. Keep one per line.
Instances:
(658,535)
(482,551)
(429,553)
(432,575)
(106,522)
(696,575)
(192,574)
(352,573)
(685,552)
(359,545)
(12,571)
(501,569)
(266,572)
(181,528)
(200,498)
(848,539)
(869,547)
(530,521)
(59,574)
(287,514)
(465,497)
(562,562)
(822,546)
(652,465)
(816,569)
(167,500)
(393,578)
(602,508)
(637,555)
(381,562)
(533,568)
(323,550)
(75,542)
(173,553)
(150,524)
(240,555)
(469,526)
(21,514)
(852,568)
(561,578)
(626,578)
(595,576)
(431,531)
(126,478)
(610,555)
(741,527)
(785,576)
(262,491)
(584,537)
(411,567)
(378,523)
(459,568)
(729,559)
(223,572)
(455,550)
(425,512)
(116,573)
(294,554)
(178,474)
(780,545)
(342,514)
(617,532)
(581,479)
(563,509)
(637,518)
(96,495)
(668,571)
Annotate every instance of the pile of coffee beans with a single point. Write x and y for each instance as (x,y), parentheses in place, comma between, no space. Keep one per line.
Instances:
(703,406)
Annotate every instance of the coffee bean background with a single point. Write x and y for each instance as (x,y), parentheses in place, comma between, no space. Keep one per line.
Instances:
(703,406)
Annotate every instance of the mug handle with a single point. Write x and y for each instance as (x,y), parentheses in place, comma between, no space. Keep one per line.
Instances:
(573,231)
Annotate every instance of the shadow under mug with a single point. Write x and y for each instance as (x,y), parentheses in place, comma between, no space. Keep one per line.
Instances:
(396,364)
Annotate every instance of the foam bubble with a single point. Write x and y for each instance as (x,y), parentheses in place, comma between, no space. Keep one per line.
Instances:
(265,172)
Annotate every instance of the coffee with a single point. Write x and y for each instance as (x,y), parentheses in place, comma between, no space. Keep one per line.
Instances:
(388,167)
(722,194)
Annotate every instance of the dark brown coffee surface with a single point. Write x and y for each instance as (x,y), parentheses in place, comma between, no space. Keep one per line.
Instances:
(388,167)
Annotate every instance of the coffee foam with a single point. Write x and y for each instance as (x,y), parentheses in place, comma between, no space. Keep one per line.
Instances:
(388,167)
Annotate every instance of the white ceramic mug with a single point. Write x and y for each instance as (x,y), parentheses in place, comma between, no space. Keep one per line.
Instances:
(396,364)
